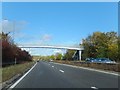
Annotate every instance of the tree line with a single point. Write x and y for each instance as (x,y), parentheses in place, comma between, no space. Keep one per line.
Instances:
(11,53)
(101,45)
(57,56)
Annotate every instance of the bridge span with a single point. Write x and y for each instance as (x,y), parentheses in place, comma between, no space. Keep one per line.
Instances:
(76,54)
(52,47)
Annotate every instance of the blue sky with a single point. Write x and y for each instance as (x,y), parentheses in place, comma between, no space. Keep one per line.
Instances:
(63,24)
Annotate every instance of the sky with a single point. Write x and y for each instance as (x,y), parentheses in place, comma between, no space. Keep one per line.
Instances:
(61,24)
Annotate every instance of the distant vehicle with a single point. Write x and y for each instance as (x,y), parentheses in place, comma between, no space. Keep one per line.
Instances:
(89,59)
(100,60)
(104,60)
(51,60)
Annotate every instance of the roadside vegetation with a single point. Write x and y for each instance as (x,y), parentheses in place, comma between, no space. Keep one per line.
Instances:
(14,60)
(102,45)
(11,54)
(101,66)
(13,70)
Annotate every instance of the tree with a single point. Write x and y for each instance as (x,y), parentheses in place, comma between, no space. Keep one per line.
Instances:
(112,45)
(101,45)
(10,51)
(58,56)
(68,55)
(52,57)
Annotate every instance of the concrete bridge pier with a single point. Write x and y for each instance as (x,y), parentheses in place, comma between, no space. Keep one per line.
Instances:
(77,55)
(79,52)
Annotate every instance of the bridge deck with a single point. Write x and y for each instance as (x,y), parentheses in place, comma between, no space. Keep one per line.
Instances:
(52,47)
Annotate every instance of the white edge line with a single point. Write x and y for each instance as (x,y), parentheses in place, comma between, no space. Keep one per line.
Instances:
(22,77)
(91,69)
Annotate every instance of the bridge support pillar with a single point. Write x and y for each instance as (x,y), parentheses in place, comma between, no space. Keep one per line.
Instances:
(77,55)
(79,52)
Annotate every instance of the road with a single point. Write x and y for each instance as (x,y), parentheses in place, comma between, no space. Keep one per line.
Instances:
(51,75)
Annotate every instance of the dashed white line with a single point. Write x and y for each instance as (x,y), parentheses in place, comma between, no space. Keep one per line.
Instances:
(94,88)
(61,71)
(52,66)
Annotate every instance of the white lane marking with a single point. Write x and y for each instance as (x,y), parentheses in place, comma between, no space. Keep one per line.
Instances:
(22,77)
(52,66)
(91,69)
(94,88)
(61,71)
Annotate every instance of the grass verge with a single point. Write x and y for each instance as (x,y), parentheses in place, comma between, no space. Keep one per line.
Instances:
(10,71)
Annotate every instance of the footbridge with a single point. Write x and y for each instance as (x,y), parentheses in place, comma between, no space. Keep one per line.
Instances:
(77,54)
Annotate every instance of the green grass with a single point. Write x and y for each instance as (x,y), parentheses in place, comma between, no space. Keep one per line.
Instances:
(10,71)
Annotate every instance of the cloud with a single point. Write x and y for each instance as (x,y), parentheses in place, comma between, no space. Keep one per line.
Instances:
(40,39)
(15,28)
(12,26)
(46,37)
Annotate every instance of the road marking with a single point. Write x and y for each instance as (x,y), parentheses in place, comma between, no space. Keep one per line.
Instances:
(91,69)
(94,88)
(61,71)
(52,66)
(22,77)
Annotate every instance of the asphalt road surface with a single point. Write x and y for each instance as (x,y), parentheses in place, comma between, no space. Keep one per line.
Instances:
(51,75)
